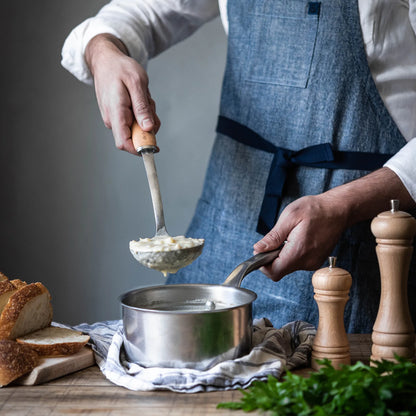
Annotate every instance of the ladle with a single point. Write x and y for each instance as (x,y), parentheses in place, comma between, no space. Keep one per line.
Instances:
(167,261)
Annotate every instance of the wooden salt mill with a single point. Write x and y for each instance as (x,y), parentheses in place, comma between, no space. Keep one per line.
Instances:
(393,331)
(331,286)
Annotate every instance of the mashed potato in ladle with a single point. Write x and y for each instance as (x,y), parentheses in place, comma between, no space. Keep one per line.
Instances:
(165,253)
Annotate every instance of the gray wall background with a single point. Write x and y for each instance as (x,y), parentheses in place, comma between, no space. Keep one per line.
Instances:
(70,201)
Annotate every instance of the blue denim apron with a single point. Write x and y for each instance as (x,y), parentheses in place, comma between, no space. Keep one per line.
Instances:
(296,76)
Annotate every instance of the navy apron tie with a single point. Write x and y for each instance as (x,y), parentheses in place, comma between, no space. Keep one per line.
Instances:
(317,156)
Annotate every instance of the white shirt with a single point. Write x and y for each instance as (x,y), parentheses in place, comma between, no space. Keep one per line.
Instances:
(148,27)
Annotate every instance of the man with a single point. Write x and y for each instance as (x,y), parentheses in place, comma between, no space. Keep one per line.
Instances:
(302,136)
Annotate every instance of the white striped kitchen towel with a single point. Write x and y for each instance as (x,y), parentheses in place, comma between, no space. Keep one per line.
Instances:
(273,351)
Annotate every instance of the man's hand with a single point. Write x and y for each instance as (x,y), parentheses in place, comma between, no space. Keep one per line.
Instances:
(312,225)
(121,86)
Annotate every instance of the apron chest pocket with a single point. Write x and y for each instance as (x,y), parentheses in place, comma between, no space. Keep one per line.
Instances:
(282,41)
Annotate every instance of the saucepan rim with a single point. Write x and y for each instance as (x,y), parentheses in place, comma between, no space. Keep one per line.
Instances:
(250,293)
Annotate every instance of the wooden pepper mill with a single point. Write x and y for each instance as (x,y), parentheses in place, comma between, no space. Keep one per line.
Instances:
(393,331)
(331,286)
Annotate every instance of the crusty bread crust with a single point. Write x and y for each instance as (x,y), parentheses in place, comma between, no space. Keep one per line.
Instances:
(10,325)
(7,289)
(6,286)
(17,283)
(53,341)
(3,276)
(15,361)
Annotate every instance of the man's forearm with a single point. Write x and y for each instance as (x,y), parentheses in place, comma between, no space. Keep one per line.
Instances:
(366,197)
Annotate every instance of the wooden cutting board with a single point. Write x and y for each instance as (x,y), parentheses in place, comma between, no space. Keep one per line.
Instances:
(51,368)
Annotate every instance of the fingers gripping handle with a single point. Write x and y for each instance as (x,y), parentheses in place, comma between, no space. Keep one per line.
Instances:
(143,140)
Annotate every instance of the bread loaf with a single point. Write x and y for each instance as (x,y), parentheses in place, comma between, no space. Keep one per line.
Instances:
(15,361)
(54,341)
(3,276)
(26,311)
(25,331)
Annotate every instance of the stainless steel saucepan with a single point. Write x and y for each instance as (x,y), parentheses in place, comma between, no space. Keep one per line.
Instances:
(191,325)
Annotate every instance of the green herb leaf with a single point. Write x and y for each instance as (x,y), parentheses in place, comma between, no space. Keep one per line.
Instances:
(384,388)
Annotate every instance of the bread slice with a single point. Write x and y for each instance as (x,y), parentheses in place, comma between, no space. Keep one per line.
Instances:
(7,289)
(55,341)
(26,311)
(15,361)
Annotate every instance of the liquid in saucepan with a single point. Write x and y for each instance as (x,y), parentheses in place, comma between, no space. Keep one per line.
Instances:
(193,305)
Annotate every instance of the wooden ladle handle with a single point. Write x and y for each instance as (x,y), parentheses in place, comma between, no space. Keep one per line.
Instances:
(143,139)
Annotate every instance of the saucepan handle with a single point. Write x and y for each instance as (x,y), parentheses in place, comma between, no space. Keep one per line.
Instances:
(243,269)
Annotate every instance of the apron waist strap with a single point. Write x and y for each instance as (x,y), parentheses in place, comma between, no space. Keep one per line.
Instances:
(317,156)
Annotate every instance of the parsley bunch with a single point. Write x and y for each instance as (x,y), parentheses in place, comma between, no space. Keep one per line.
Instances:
(387,388)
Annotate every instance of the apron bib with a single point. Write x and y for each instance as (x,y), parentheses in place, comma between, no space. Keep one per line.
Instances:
(296,76)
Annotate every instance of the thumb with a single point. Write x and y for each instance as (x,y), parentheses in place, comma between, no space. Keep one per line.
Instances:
(276,236)
(141,102)
(143,113)
(272,240)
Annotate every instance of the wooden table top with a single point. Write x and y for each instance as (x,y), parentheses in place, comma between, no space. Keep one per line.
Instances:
(88,392)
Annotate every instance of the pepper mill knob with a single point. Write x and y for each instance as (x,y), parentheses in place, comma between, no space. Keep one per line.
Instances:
(393,331)
(331,286)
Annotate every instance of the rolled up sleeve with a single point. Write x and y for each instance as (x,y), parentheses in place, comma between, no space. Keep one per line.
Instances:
(146,27)
(403,163)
